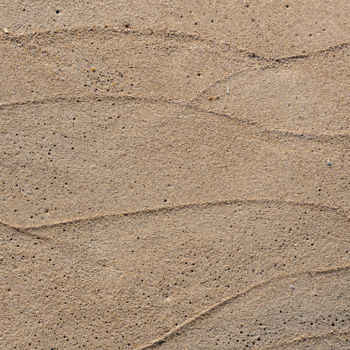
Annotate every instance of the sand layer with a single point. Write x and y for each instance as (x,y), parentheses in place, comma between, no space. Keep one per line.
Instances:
(175,174)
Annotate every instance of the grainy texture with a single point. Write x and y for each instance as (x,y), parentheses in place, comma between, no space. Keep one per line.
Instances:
(175,175)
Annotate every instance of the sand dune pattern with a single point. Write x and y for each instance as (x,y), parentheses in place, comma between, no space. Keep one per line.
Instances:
(166,189)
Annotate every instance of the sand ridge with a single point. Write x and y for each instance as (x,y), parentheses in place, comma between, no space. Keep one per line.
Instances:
(174,175)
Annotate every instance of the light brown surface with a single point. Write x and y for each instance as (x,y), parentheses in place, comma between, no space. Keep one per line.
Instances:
(164,177)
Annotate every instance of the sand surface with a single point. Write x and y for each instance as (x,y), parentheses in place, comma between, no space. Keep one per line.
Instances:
(175,174)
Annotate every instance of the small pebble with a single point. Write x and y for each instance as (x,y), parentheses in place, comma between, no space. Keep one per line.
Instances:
(227,90)
(93,69)
(329,163)
(6,30)
(292,287)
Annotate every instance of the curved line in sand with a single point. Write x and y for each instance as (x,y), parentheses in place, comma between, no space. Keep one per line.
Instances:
(175,331)
(147,31)
(168,209)
(258,286)
(228,78)
(305,338)
(180,35)
(86,98)
(24,231)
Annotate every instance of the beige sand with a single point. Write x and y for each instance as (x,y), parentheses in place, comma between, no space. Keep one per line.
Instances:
(175,174)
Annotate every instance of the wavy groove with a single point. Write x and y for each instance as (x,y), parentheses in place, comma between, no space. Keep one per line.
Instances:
(305,338)
(182,327)
(24,232)
(168,209)
(275,64)
(145,32)
(226,79)
(168,35)
(132,32)
(275,132)
(271,62)
(330,49)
